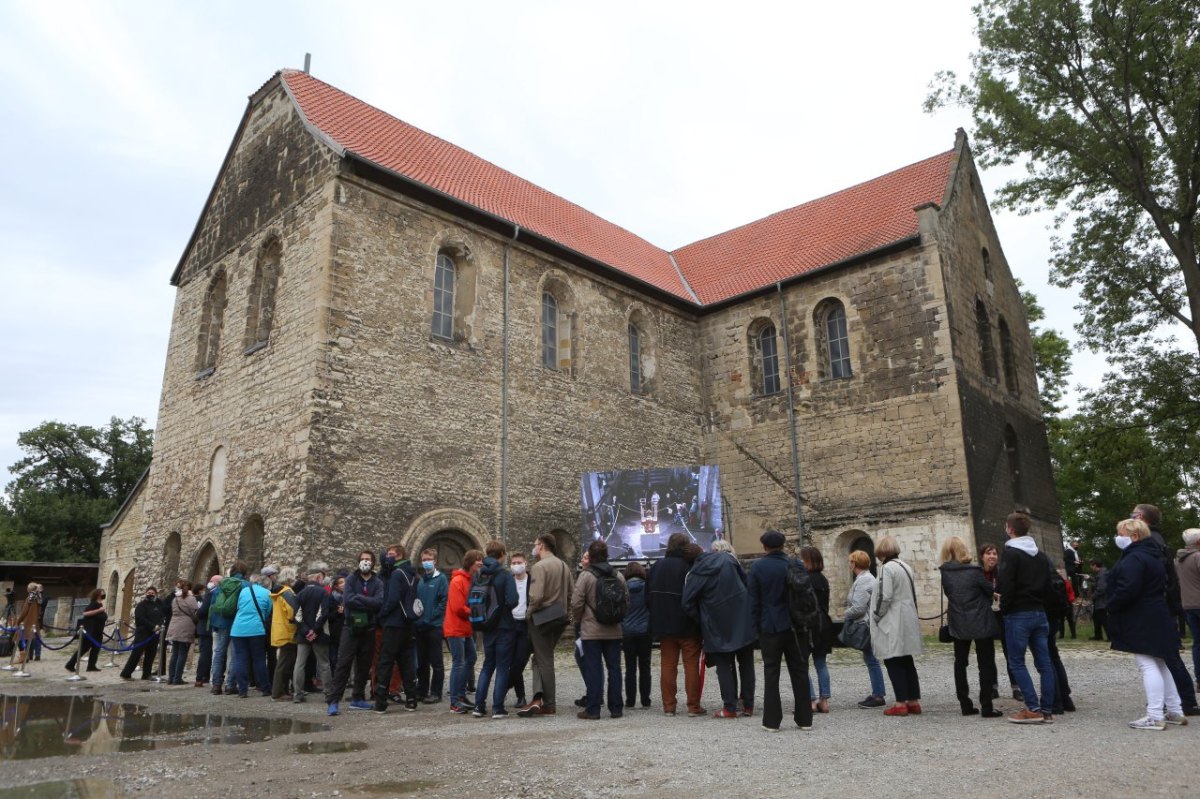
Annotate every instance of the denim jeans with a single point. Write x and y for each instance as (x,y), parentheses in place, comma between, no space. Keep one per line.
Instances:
(219,656)
(875,671)
(498,648)
(462,652)
(179,652)
(1029,629)
(822,667)
(608,651)
(250,654)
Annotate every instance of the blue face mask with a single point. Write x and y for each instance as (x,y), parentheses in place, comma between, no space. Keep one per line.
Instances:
(427,565)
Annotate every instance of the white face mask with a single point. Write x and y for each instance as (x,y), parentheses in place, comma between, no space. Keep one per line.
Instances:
(178,592)
(364,566)
(212,586)
(518,568)
(1123,541)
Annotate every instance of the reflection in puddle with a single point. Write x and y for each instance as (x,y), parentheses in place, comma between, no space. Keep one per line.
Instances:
(328,747)
(48,726)
(68,789)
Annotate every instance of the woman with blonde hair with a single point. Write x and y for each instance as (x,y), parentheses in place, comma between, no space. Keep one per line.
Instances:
(895,628)
(971,620)
(1140,623)
(858,603)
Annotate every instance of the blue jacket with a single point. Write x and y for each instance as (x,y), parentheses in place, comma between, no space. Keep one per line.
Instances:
(433,591)
(1139,620)
(715,594)
(506,591)
(247,623)
(665,600)
(637,615)
(398,594)
(202,628)
(360,595)
(768,594)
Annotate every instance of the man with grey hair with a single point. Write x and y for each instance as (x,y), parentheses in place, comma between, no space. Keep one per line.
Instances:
(1187,567)
(313,605)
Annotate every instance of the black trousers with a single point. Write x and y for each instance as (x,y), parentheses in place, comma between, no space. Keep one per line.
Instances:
(637,668)
(1062,686)
(204,645)
(728,666)
(281,677)
(902,671)
(776,648)
(1100,623)
(91,650)
(431,667)
(357,651)
(522,650)
(985,659)
(143,653)
(396,648)
(1183,680)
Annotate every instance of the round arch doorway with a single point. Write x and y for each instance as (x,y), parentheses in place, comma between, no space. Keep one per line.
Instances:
(206,563)
(863,543)
(451,545)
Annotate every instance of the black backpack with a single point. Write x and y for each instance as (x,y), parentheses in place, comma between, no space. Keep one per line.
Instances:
(483,606)
(803,608)
(1057,604)
(611,600)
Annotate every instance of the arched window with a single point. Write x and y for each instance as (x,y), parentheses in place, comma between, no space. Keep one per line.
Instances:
(833,340)
(635,359)
(171,561)
(987,264)
(250,543)
(212,317)
(764,357)
(444,279)
(1006,355)
(987,351)
(261,311)
(1014,464)
(549,331)
(216,479)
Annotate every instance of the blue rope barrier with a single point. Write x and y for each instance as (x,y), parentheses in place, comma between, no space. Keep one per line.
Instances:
(138,645)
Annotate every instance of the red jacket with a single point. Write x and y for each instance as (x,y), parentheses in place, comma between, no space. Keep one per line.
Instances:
(457,623)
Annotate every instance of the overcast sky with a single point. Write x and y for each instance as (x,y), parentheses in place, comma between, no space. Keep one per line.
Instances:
(674,120)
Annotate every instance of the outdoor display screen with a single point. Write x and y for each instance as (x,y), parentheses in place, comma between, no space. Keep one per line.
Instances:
(636,511)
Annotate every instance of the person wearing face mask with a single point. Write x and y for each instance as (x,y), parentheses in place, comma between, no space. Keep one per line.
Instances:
(204,634)
(460,638)
(1139,622)
(522,648)
(397,620)
(314,606)
(433,590)
(92,624)
(148,617)
(362,599)
(181,631)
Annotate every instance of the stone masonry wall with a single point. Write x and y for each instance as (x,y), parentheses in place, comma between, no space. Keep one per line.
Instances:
(257,404)
(119,548)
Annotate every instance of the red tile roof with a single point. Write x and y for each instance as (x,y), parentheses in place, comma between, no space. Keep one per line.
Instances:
(822,232)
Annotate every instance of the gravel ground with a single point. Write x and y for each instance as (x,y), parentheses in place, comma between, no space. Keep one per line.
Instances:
(850,752)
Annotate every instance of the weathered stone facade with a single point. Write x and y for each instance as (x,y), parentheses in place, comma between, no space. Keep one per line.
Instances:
(355,426)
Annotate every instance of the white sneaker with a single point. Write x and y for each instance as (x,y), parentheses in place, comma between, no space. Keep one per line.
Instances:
(1177,719)
(1147,723)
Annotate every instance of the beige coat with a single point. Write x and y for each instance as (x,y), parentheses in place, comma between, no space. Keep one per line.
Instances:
(895,628)
(550,581)
(582,602)
(182,627)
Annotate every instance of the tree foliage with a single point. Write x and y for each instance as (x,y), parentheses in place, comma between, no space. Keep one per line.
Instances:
(1100,100)
(71,480)
(1051,357)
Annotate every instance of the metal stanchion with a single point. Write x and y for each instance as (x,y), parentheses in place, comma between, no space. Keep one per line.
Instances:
(112,656)
(12,656)
(77,677)
(23,670)
(160,675)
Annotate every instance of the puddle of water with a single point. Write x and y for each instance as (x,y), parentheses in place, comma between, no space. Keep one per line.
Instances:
(396,787)
(328,747)
(48,726)
(67,789)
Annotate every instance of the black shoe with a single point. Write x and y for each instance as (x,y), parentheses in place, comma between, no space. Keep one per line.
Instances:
(1191,711)
(1068,705)
(216,690)
(431,700)
(970,711)
(990,713)
(1017,695)
(872,701)
(581,701)
(995,692)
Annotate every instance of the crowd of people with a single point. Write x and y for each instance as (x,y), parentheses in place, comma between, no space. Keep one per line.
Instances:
(388,623)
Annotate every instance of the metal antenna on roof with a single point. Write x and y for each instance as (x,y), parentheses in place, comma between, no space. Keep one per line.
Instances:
(307,62)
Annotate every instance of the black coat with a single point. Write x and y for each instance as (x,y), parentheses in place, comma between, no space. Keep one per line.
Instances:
(715,595)
(147,615)
(665,589)
(1138,617)
(768,594)
(968,602)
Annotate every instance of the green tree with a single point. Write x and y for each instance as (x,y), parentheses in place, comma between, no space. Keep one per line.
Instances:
(71,480)
(13,545)
(1100,100)
(1051,357)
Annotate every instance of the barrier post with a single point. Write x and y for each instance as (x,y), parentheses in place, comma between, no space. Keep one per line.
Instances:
(112,655)
(77,677)
(160,676)
(23,670)
(12,656)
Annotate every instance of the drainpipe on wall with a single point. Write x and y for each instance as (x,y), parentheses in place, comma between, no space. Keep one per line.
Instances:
(787,362)
(504,399)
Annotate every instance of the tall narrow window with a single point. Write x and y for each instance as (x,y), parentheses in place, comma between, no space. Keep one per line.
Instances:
(838,340)
(987,350)
(765,355)
(1006,355)
(443,297)
(549,331)
(1014,464)
(987,264)
(635,360)
(212,317)
(217,468)
(260,313)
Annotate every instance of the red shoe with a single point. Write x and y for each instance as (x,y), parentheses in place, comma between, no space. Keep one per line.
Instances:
(914,708)
(725,714)
(896,710)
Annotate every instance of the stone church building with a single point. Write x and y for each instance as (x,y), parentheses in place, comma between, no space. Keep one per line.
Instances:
(380,337)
